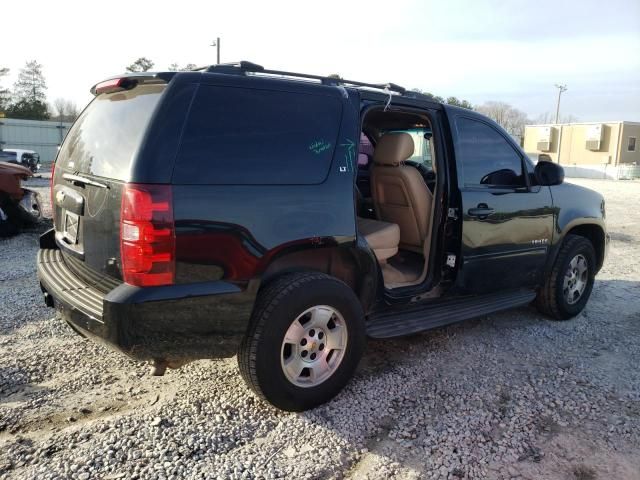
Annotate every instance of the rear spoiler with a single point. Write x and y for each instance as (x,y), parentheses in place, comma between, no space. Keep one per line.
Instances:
(127,81)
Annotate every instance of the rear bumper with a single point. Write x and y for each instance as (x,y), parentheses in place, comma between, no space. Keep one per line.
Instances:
(176,323)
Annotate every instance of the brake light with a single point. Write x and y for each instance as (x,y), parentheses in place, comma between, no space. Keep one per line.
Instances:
(147,235)
(114,85)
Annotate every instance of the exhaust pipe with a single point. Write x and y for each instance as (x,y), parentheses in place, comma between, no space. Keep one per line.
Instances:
(159,367)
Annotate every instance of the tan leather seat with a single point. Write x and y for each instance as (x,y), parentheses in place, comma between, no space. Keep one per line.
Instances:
(382,237)
(399,192)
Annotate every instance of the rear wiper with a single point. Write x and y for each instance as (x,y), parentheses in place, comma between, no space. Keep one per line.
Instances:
(83,180)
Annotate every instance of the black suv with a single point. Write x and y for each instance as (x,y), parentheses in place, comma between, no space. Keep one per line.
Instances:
(285,217)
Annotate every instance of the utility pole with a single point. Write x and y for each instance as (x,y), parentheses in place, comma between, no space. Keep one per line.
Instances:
(216,43)
(561,90)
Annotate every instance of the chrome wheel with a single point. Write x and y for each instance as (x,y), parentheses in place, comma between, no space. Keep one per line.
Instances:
(314,346)
(575,279)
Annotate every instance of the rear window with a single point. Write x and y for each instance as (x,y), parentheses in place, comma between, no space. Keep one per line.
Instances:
(248,136)
(106,136)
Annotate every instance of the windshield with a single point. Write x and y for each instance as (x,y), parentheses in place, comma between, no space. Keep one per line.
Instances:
(106,136)
(421,145)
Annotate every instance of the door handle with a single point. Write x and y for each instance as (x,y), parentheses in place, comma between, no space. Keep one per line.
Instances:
(482,210)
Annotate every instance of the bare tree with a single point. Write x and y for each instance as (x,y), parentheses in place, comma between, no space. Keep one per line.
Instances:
(568,118)
(59,108)
(64,110)
(73,111)
(547,117)
(508,117)
(143,64)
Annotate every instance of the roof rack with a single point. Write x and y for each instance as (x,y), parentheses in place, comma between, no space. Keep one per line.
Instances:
(244,67)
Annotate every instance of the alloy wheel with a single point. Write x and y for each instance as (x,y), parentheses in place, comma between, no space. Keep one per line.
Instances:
(314,346)
(575,279)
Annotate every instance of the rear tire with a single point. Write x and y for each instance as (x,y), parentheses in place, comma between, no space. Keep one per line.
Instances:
(305,340)
(567,290)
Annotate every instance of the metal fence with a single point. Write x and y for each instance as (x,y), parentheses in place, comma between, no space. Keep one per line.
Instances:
(44,137)
(628,172)
(624,171)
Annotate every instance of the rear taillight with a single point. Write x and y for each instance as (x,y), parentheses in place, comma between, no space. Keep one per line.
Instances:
(147,235)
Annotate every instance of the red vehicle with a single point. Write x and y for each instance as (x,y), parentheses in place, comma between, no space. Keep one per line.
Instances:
(19,207)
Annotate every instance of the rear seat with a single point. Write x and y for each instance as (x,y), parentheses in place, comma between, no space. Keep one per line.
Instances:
(382,237)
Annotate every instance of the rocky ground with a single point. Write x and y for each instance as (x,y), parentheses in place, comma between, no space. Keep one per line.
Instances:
(512,395)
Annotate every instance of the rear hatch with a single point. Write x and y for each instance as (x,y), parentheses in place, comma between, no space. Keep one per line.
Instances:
(94,163)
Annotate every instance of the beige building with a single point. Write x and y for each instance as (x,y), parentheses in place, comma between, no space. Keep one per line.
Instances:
(594,149)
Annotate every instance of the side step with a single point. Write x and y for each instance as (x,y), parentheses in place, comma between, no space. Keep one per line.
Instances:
(418,318)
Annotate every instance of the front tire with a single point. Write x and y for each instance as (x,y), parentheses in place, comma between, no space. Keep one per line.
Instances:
(567,290)
(305,340)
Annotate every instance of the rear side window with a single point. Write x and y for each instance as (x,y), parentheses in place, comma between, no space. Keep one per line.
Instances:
(249,136)
(105,138)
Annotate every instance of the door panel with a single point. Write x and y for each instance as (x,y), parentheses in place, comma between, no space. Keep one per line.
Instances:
(507,221)
(506,248)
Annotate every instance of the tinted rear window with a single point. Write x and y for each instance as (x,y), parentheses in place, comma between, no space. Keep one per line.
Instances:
(247,136)
(106,136)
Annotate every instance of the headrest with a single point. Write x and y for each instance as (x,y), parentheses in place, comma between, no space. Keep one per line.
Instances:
(393,149)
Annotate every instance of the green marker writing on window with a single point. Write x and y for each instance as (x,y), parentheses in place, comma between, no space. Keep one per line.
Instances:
(319,146)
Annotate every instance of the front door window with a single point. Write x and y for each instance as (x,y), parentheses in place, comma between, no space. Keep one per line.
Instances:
(486,158)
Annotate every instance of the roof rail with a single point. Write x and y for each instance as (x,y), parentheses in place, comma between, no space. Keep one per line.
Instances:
(244,67)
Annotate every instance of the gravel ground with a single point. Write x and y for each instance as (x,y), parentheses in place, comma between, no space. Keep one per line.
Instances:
(511,395)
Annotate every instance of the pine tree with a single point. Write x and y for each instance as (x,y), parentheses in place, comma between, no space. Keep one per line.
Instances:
(31,85)
(5,96)
(30,94)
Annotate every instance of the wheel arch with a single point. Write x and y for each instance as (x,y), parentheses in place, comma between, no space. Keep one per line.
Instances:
(355,265)
(594,232)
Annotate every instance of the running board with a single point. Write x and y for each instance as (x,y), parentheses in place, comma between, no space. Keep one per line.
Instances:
(418,318)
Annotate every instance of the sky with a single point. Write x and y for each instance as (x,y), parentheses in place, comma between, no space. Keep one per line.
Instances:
(481,50)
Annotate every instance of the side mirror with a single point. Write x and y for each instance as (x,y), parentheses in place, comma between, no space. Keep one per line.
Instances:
(548,173)
(544,157)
